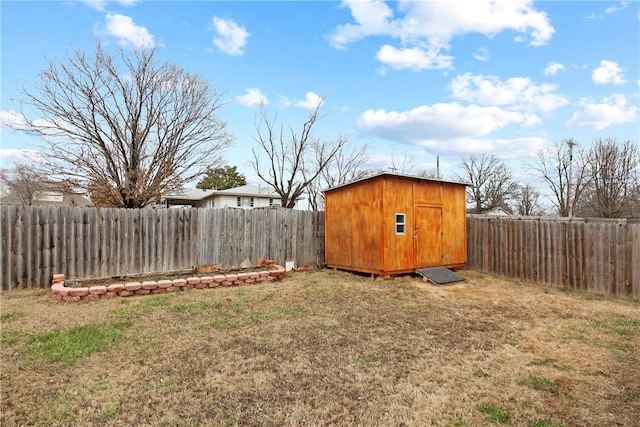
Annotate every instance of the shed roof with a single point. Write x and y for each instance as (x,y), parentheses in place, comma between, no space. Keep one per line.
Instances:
(395,175)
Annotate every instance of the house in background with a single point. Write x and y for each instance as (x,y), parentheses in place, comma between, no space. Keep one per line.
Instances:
(48,195)
(497,212)
(245,197)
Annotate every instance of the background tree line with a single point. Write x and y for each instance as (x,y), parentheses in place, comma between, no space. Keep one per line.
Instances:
(125,129)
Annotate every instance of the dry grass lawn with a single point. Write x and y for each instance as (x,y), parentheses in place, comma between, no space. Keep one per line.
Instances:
(324,348)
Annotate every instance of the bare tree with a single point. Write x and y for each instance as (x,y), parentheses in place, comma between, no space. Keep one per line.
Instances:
(22,184)
(293,160)
(561,167)
(127,128)
(491,182)
(346,166)
(527,201)
(614,169)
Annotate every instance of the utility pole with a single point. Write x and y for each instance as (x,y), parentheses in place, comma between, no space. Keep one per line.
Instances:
(438,167)
(570,143)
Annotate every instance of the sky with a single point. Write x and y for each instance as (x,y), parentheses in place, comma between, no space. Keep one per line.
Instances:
(415,81)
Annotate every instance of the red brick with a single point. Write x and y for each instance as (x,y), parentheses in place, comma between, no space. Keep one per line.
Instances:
(133,286)
(214,284)
(165,283)
(200,285)
(206,279)
(243,276)
(172,289)
(142,292)
(231,277)
(151,284)
(187,287)
(109,295)
(219,278)
(115,287)
(60,289)
(179,282)
(98,290)
(193,280)
(254,275)
(227,283)
(125,293)
(78,292)
(57,278)
(250,281)
(159,291)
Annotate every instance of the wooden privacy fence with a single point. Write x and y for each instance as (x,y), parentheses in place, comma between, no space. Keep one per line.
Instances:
(38,241)
(596,255)
(601,256)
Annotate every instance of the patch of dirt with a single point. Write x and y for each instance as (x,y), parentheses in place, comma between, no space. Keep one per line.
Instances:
(105,281)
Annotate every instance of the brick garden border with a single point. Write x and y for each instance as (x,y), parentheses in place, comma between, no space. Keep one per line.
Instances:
(70,294)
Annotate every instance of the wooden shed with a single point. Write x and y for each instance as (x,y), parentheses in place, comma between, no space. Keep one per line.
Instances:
(394,224)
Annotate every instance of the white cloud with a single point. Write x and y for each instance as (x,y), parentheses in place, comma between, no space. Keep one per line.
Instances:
(415,58)
(283,101)
(520,93)
(430,25)
(9,119)
(252,96)
(10,156)
(310,102)
(504,148)
(553,68)
(611,9)
(373,17)
(127,32)
(101,5)
(612,110)
(230,37)
(481,54)
(608,72)
(437,122)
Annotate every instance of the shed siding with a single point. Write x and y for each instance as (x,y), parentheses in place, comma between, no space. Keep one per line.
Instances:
(397,249)
(338,217)
(360,232)
(454,224)
(366,226)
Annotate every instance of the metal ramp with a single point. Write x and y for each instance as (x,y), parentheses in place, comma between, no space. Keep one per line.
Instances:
(439,275)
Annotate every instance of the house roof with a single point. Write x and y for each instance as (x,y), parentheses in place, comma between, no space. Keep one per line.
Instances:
(396,175)
(250,190)
(190,194)
(197,194)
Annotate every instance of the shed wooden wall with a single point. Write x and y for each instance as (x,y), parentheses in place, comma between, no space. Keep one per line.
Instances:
(360,224)
(454,224)
(397,250)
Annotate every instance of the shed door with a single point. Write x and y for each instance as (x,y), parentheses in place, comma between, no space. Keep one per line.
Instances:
(427,236)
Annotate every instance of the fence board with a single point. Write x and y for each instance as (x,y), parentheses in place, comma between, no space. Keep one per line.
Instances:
(601,256)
